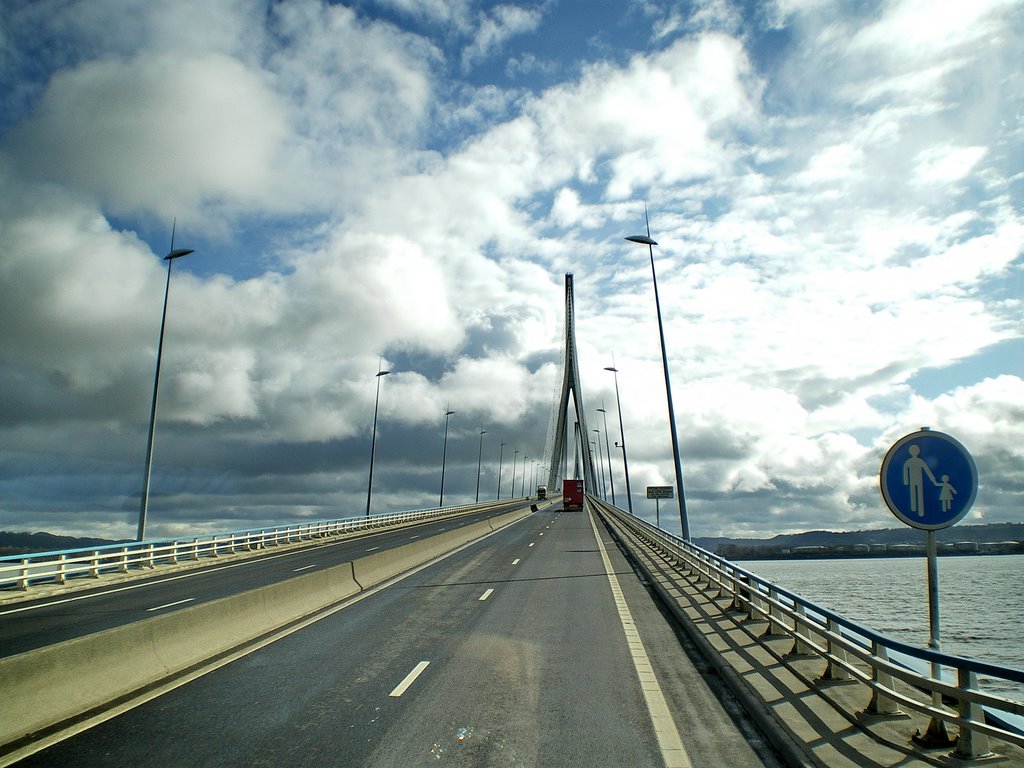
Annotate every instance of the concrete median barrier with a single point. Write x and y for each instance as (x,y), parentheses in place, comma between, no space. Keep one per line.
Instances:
(49,686)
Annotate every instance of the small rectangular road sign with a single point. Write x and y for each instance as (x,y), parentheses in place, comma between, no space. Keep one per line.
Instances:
(659,492)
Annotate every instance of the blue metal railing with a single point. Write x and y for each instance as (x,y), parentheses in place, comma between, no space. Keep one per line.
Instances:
(842,643)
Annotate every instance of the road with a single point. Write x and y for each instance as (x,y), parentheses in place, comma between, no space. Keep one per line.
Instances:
(35,623)
(513,651)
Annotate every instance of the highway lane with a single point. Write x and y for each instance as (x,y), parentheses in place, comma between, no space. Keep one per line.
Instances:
(31,624)
(511,652)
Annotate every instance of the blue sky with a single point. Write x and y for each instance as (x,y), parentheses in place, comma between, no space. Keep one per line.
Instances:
(836,190)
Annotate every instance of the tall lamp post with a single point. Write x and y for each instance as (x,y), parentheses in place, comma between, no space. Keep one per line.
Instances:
(373,438)
(522,491)
(501,455)
(175,253)
(608,452)
(514,457)
(600,465)
(622,437)
(479,460)
(646,240)
(444,454)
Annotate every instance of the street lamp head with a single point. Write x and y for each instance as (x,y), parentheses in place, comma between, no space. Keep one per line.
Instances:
(448,413)
(383,373)
(601,410)
(177,253)
(644,239)
(612,369)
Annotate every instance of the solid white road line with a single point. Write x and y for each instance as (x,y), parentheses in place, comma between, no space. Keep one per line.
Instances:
(171,605)
(486,594)
(672,750)
(403,686)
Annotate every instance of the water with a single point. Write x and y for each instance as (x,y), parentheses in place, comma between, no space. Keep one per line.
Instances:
(981,600)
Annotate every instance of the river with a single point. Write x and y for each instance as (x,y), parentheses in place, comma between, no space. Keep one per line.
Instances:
(981,599)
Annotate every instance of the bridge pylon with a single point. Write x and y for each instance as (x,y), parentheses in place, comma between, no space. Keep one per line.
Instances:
(558,431)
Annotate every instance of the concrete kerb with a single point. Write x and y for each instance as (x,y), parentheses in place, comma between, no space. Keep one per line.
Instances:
(43,688)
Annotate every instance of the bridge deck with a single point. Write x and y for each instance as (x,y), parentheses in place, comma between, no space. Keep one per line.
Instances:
(511,651)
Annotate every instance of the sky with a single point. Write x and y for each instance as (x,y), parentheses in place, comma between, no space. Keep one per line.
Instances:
(835,189)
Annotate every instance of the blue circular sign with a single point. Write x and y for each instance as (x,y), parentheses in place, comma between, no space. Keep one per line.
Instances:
(928,480)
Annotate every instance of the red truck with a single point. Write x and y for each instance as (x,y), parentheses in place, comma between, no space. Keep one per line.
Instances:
(572,495)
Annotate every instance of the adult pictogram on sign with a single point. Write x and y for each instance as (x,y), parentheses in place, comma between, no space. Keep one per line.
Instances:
(928,480)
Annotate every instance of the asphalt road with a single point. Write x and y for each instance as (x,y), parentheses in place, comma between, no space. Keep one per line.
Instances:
(31,624)
(511,652)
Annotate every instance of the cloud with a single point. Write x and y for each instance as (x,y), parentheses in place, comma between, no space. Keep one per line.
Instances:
(493,29)
(156,132)
(833,220)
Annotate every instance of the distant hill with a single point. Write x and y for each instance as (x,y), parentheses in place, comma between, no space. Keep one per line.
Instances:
(746,548)
(12,543)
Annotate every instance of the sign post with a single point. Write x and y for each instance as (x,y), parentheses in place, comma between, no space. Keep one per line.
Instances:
(659,492)
(929,481)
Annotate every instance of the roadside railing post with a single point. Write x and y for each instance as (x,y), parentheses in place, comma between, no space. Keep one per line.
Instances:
(801,633)
(835,655)
(971,744)
(741,594)
(881,704)
(775,617)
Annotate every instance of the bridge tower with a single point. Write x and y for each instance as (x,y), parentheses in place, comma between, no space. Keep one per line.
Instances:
(558,430)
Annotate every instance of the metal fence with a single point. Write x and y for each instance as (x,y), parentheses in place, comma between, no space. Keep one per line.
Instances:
(24,571)
(853,651)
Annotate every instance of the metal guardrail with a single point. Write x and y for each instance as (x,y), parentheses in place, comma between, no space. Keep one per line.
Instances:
(842,643)
(23,571)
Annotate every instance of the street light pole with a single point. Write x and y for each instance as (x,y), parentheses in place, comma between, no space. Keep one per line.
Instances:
(646,240)
(175,253)
(622,436)
(600,465)
(479,460)
(373,439)
(444,455)
(514,457)
(608,451)
(501,455)
(522,491)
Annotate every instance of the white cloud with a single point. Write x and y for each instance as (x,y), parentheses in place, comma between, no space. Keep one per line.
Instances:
(942,165)
(495,28)
(158,133)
